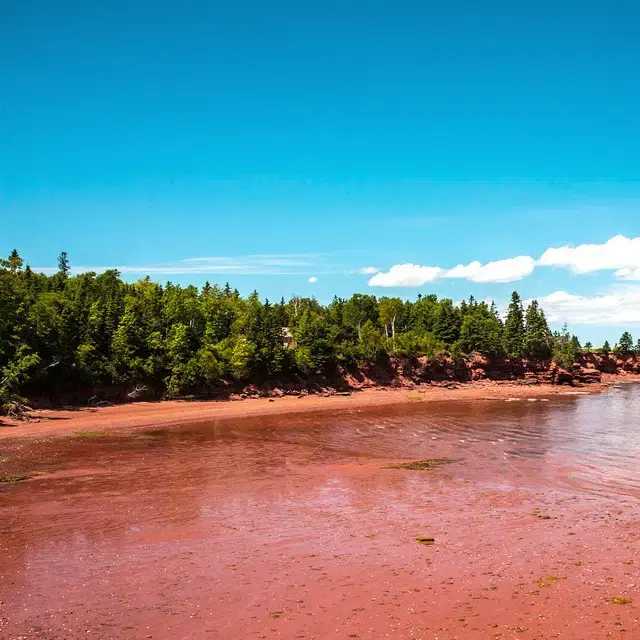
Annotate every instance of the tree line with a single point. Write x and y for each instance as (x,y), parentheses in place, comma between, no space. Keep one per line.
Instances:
(61,332)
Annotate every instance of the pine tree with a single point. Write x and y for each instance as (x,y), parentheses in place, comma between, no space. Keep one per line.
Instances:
(514,328)
(63,264)
(537,338)
(481,331)
(14,262)
(626,344)
(606,348)
(447,322)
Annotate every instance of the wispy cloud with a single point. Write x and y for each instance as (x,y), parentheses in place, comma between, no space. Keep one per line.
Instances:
(255,264)
(367,271)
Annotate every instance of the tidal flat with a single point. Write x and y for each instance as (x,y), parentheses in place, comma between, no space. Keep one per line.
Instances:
(333,524)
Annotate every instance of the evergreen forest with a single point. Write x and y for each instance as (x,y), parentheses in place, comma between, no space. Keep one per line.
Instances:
(61,332)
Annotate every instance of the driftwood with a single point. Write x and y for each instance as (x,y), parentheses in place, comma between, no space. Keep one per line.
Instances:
(138,391)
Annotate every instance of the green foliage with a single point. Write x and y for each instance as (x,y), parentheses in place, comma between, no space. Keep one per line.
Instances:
(626,344)
(537,337)
(65,332)
(314,350)
(15,373)
(514,328)
(447,322)
(240,357)
(391,310)
(358,310)
(63,264)
(566,348)
(481,330)
(415,344)
(422,313)
(606,348)
(371,344)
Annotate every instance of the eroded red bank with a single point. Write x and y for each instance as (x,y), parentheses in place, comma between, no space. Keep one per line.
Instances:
(294,527)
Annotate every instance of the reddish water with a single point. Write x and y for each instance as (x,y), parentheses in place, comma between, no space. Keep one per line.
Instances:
(292,527)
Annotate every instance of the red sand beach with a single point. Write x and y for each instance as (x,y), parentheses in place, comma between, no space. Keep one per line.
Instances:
(282,519)
(50,423)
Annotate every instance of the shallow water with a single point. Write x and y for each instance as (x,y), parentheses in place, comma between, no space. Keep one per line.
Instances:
(293,526)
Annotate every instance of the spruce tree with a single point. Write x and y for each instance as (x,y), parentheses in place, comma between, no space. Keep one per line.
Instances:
(626,344)
(481,331)
(14,262)
(514,328)
(63,264)
(537,338)
(447,322)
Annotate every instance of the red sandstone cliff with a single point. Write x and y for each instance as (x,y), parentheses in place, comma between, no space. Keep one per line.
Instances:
(392,372)
(444,371)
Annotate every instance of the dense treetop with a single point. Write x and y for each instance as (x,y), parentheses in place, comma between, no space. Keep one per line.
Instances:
(61,332)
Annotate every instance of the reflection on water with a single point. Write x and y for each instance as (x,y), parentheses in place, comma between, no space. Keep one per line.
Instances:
(591,442)
(153,518)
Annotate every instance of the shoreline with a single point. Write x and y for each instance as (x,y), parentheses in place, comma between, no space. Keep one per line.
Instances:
(137,415)
(284,525)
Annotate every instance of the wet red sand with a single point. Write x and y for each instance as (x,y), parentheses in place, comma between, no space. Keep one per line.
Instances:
(50,423)
(293,527)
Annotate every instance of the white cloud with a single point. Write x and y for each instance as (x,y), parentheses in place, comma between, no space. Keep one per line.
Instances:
(619,307)
(619,253)
(406,275)
(628,274)
(368,271)
(312,280)
(415,275)
(508,270)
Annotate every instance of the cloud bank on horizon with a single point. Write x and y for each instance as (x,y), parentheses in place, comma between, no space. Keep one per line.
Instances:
(619,254)
(615,308)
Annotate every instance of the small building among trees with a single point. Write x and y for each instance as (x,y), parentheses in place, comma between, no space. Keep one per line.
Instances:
(288,339)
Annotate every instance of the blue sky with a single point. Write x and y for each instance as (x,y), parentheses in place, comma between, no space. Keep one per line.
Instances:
(281,141)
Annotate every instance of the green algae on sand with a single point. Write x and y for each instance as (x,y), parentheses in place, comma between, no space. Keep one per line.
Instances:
(422,465)
(12,479)
(549,580)
(90,434)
